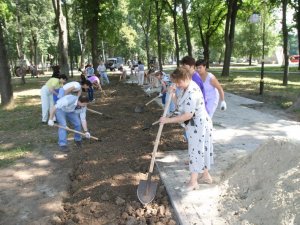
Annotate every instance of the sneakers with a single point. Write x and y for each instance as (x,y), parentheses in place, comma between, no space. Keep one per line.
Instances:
(64,148)
(78,144)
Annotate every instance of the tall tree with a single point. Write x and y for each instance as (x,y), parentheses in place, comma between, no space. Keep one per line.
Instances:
(93,25)
(285,43)
(158,19)
(209,17)
(173,10)
(5,76)
(232,9)
(143,16)
(62,37)
(184,4)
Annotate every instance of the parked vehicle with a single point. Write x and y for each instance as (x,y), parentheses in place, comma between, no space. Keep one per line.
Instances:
(294,58)
(114,63)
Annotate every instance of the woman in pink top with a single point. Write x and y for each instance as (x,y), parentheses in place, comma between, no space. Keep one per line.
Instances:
(212,87)
(95,82)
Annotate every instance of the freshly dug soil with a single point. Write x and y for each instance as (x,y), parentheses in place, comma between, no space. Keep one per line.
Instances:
(105,175)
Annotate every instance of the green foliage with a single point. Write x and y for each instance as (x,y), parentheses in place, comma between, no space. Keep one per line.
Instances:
(4,9)
(248,37)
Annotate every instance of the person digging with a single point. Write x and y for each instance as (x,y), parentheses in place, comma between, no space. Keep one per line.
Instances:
(73,109)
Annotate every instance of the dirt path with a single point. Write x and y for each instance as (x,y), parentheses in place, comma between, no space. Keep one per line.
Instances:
(98,183)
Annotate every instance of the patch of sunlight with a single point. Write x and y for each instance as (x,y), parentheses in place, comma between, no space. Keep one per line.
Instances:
(25,101)
(169,159)
(27,92)
(9,155)
(41,162)
(241,79)
(136,127)
(54,206)
(286,104)
(30,174)
(6,146)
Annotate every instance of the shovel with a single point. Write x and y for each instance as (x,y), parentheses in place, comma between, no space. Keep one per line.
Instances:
(99,113)
(149,126)
(151,100)
(140,109)
(75,131)
(147,189)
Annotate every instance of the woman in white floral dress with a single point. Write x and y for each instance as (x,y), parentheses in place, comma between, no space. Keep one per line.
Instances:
(198,125)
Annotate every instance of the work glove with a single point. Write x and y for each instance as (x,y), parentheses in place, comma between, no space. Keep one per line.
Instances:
(51,123)
(87,135)
(160,95)
(223,106)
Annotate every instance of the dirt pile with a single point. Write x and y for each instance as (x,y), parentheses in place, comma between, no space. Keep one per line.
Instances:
(265,187)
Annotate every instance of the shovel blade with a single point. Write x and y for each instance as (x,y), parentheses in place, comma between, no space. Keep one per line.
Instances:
(146,191)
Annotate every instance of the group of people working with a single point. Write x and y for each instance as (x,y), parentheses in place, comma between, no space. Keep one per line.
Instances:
(195,95)
(63,101)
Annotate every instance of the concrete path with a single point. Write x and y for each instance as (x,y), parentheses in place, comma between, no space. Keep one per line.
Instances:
(238,131)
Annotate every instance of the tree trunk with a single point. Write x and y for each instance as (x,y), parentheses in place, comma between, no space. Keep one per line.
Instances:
(285,43)
(233,6)
(176,33)
(146,32)
(62,38)
(174,15)
(158,15)
(5,76)
(205,41)
(186,27)
(93,26)
(298,28)
(250,59)
(69,38)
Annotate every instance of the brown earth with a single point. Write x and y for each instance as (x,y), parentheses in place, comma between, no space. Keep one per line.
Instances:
(98,183)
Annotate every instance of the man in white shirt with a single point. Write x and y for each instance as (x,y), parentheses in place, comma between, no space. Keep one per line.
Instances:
(74,87)
(102,71)
(73,109)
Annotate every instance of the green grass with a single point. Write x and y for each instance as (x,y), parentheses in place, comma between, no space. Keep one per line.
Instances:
(274,92)
(9,156)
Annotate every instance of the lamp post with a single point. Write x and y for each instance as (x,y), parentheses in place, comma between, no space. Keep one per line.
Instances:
(261,84)
(255,18)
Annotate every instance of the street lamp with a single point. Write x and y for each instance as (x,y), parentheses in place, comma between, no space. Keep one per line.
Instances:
(255,18)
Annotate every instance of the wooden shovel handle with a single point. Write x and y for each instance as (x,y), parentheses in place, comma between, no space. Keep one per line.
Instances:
(158,136)
(154,123)
(75,131)
(94,111)
(151,101)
